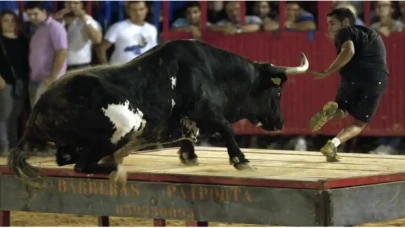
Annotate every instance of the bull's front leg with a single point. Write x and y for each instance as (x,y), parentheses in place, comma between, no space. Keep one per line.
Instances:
(187,153)
(236,157)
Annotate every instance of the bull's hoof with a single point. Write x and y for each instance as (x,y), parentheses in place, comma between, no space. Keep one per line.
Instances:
(189,162)
(244,166)
(241,165)
(119,177)
(185,160)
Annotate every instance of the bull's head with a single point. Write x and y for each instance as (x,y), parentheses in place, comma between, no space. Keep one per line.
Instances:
(266,110)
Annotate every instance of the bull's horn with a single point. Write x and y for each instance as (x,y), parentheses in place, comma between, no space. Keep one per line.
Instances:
(296,70)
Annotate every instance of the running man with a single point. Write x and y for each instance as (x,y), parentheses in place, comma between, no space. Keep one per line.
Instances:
(362,65)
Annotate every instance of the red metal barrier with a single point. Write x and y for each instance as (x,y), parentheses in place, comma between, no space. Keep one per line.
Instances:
(303,96)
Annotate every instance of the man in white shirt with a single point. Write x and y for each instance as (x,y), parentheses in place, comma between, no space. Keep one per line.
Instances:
(82,30)
(130,37)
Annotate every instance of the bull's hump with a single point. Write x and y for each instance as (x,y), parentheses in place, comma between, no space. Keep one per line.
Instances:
(123,118)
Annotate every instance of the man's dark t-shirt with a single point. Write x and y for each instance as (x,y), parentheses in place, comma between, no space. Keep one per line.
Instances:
(370,54)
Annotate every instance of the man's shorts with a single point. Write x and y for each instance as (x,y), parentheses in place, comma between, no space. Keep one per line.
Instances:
(361,100)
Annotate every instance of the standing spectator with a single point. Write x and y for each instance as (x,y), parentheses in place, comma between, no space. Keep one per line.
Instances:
(262,9)
(48,48)
(131,37)
(231,25)
(13,65)
(358,5)
(351,8)
(216,11)
(298,19)
(82,32)
(191,22)
(386,23)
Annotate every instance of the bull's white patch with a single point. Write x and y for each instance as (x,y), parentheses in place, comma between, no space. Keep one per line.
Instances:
(173,79)
(134,144)
(123,118)
(259,124)
(192,131)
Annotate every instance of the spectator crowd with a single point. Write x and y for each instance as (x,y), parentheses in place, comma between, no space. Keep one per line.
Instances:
(37,51)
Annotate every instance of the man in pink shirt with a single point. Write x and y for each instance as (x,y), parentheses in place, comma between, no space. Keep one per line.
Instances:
(48,48)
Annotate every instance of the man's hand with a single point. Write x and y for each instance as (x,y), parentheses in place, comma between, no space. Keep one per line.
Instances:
(2,84)
(319,74)
(229,29)
(270,26)
(288,24)
(60,14)
(81,14)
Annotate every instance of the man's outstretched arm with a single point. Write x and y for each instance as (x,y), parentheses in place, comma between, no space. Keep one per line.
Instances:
(346,53)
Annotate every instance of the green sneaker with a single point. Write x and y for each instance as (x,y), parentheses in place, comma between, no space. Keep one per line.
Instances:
(330,152)
(319,119)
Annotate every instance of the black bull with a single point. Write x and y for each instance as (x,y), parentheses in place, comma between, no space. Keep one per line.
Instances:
(165,95)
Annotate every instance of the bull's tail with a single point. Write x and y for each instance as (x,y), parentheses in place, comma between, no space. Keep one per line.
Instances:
(17,160)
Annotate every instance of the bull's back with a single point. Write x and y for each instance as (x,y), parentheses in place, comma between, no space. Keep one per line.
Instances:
(217,64)
(209,69)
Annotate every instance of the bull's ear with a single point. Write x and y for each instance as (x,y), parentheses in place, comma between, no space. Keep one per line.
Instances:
(276,81)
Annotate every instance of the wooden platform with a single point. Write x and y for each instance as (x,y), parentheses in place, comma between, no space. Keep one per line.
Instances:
(275,168)
(288,188)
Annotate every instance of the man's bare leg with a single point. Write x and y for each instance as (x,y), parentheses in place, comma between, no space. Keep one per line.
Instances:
(330,148)
(331,111)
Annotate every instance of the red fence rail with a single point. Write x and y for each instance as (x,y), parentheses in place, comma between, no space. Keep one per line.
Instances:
(303,96)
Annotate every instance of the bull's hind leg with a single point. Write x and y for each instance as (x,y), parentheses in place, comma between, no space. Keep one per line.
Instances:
(66,155)
(187,153)
(88,164)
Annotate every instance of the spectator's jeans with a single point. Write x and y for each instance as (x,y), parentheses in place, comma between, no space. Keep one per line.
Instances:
(36,89)
(10,111)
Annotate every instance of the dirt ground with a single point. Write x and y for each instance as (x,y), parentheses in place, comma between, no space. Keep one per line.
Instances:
(46,219)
